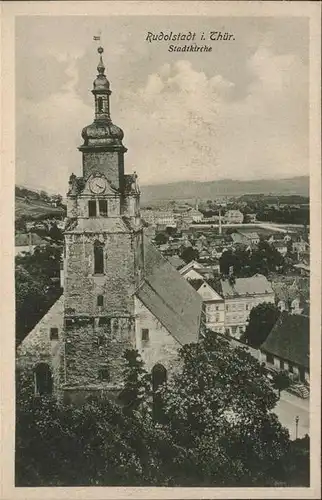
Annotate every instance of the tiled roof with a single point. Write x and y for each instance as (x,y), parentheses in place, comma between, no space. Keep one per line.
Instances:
(37,345)
(279,244)
(22,239)
(289,339)
(169,297)
(256,285)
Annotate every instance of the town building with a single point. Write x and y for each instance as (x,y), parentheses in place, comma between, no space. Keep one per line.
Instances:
(299,245)
(119,292)
(245,237)
(233,217)
(241,295)
(214,307)
(287,346)
(281,247)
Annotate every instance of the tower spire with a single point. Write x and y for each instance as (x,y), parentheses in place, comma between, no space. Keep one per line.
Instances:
(100,67)
(101,91)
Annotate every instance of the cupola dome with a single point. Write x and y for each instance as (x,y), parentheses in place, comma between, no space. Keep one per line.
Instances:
(102,132)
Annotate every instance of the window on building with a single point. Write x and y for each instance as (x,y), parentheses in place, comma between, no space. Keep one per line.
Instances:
(103,207)
(104,321)
(104,373)
(247,307)
(270,358)
(227,307)
(217,318)
(92,208)
(145,334)
(43,380)
(98,257)
(290,368)
(54,334)
(101,340)
(68,323)
(281,364)
(217,308)
(100,300)
(100,104)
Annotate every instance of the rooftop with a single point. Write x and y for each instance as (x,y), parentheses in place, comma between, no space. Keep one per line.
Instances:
(289,339)
(169,297)
(255,285)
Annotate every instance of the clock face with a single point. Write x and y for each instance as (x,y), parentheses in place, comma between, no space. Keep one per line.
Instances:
(97,185)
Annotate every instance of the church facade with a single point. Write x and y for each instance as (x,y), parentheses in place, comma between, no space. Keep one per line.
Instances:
(119,292)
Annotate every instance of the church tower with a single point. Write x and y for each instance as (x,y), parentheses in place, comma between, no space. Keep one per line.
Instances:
(103,261)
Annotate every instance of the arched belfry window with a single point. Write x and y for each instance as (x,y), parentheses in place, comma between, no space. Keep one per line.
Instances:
(98,257)
(100,104)
(43,380)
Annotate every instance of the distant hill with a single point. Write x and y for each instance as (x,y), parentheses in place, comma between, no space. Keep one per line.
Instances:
(31,204)
(208,190)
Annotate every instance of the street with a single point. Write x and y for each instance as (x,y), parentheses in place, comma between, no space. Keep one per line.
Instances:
(290,406)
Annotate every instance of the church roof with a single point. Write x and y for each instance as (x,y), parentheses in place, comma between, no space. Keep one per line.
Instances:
(176,262)
(169,297)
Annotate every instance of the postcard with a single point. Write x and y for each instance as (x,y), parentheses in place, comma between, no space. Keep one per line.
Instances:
(161,249)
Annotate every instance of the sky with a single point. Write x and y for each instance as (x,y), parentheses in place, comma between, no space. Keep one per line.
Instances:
(238,112)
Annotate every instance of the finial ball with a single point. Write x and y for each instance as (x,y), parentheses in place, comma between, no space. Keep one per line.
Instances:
(100,50)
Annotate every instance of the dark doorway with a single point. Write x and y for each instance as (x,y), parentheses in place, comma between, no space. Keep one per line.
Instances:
(159,377)
(43,380)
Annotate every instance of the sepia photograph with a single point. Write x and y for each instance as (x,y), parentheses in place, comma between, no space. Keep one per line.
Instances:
(163,238)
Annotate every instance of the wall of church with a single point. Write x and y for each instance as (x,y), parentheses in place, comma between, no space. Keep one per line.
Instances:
(39,347)
(82,287)
(93,346)
(106,162)
(160,347)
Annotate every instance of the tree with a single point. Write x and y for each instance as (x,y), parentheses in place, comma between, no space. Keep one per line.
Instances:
(281,381)
(55,233)
(218,431)
(219,411)
(238,259)
(137,381)
(161,239)
(262,318)
(34,286)
(188,254)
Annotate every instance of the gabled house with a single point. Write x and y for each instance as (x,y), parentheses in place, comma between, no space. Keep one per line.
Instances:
(281,247)
(245,238)
(287,346)
(214,307)
(191,271)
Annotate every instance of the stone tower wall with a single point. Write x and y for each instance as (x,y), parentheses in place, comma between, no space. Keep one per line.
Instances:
(109,163)
(82,286)
(92,344)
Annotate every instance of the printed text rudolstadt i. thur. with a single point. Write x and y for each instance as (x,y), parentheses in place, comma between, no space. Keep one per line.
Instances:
(190,36)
